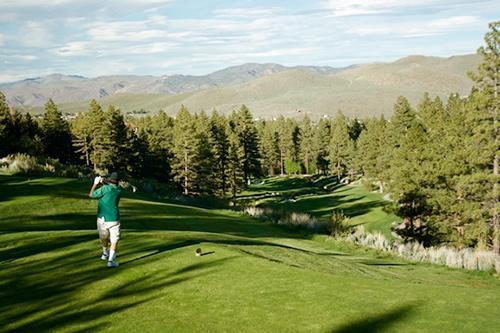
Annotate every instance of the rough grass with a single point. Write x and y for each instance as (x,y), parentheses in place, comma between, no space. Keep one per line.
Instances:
(254,277)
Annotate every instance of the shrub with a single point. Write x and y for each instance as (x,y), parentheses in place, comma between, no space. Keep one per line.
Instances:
(25,164)
(442,255)
(254,211)
(339,224)
(281,217)
(301,220)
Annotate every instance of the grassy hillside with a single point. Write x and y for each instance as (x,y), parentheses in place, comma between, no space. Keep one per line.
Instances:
(126,102)
(254,277)
(418,73)
(362,91)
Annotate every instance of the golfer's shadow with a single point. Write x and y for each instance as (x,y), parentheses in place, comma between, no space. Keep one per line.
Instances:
(159,250)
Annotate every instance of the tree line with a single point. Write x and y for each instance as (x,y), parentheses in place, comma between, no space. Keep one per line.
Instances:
(437,161)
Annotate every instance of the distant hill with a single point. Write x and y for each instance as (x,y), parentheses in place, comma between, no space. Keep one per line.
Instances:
(72,88)
(269,90)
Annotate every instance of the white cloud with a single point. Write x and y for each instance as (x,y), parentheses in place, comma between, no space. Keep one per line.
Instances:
(18,4)
(85,37)
(150,48)
(88,8)
(115,33)
(453,23)
(377,7)
(36,34)
(246,12)
(412,29)
(75,49)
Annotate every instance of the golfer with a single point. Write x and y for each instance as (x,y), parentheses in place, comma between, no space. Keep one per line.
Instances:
(108,215)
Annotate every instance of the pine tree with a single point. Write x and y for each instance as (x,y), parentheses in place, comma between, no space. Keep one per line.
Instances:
(355,128)
(185,149)
(401,121)
(307,145)
(244,127)
(370,149)
(205,178)
(235,158)
(154,137)
(292,147)
(283,141)
(56,134)
(28,135)
(101,138)
(340,147)
(485,121)
(6,138)
(89,136)
(269,147)
(116,147)
(321,143)
(219,143)
(82,137)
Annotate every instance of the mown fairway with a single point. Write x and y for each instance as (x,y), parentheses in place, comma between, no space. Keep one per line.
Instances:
(255,277)
(319,196)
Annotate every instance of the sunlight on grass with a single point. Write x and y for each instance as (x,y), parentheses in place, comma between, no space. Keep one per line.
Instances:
(253,276)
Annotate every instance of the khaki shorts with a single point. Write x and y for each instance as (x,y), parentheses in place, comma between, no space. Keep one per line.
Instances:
(108,230)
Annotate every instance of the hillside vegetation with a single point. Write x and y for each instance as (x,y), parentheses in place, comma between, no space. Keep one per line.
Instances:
(366,90)
(254,276)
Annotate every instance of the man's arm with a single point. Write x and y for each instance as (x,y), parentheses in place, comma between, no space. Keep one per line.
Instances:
(97,181)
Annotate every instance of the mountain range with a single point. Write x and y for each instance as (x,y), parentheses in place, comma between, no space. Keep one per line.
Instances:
(267,89)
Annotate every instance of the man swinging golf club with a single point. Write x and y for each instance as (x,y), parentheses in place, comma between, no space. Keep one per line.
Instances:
(108,215)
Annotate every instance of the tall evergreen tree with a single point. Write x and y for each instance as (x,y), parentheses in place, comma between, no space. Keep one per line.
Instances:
(31,135)
(340,147)
(115,144)
(485,121)
(284,139)
(6,125)
(269,147)
(402,119)
(89,136)
(307,144)
(355,128)
(370,150)
(244,127)
(205,180)
(219,143)
(292,164)
(56,134)
(321,143)
(154,137)
(235,158)
(185,149)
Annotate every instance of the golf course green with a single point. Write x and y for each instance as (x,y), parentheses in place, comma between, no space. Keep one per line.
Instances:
(253,276)
(319,196)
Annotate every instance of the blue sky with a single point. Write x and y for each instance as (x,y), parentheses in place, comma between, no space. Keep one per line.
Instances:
(164,37)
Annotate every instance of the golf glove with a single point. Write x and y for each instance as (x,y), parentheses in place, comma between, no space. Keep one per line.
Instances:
(97,180)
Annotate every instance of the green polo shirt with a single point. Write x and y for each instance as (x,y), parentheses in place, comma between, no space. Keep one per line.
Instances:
(109,197)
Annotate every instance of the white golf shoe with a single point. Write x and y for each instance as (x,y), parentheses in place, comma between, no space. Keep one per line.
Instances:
(112,263)
(104,257)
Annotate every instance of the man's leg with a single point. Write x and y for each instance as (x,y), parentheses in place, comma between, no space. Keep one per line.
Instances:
(105,251)
(104,238)
(112,251)
(114,236)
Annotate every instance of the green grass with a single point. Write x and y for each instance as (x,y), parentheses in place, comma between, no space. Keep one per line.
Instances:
(363,207)
(255,277)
